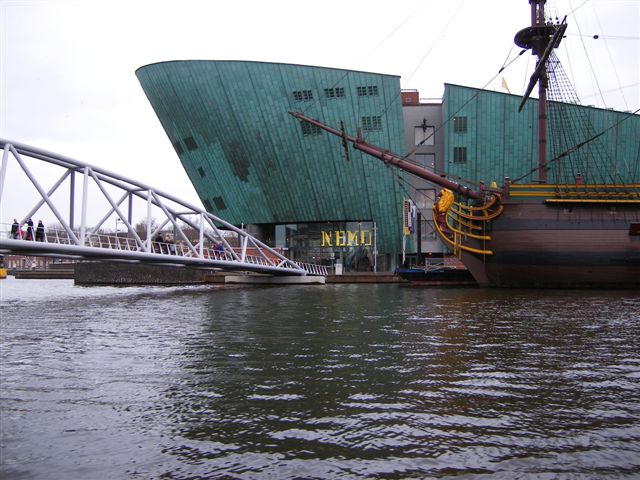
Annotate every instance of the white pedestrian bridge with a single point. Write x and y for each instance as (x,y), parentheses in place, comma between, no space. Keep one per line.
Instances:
(35,183)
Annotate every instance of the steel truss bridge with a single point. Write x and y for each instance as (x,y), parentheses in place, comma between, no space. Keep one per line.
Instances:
(170,232)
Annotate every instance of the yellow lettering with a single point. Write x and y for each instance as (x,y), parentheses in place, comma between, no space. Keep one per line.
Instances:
(346,238)
(366,238)
(326,239)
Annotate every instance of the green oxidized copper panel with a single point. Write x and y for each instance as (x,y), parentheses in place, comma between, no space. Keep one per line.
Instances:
(251,162)
(502,142)
(497,141)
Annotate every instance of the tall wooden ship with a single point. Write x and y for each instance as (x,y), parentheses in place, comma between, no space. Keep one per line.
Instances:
(576,225)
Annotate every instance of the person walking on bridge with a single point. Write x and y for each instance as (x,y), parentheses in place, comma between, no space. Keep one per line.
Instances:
(30,232)
(40,232)
(15,229)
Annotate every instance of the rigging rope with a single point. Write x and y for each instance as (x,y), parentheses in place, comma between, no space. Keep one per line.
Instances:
(444,29)
(615,70)
(392,32)
(560,140)
(574,10)
(348,72)
(440,35)
(452,116)
(405,186)
(586,53)
(579,146)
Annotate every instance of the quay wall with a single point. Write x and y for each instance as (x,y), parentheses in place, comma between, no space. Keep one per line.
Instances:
(113,273)
(118,273)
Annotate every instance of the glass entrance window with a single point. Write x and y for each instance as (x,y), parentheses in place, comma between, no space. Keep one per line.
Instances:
(350,243)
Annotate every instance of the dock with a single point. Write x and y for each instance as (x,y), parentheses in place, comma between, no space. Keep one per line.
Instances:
(112,273)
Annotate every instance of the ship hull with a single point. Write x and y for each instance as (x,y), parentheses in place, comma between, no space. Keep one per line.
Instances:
(540,244)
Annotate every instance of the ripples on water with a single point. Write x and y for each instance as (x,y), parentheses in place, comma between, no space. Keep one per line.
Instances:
(335,381)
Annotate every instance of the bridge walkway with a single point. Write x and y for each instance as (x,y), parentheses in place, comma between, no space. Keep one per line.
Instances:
(197,237)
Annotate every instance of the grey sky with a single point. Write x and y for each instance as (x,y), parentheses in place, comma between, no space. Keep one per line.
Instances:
(67,81)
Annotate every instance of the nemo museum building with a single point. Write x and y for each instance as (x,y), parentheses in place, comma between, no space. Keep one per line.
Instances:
(298,188)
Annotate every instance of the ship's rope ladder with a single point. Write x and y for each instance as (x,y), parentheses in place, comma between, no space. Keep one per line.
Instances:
(456,222)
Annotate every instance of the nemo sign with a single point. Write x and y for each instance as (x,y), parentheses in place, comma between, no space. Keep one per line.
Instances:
(346,238)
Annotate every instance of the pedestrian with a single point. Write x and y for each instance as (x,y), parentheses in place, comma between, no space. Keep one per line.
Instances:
(15,229)
(30,232)
(40,232)
(158,244)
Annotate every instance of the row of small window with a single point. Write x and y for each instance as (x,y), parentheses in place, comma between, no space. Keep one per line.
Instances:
(369,124)
(428,160)
(189,143)
(459,154)
(370,91)
(217,201)
(300,95)
(424,135)
(334,92)
(459,124)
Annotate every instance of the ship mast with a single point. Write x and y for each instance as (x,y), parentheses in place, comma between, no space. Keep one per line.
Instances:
(541,37)
(537,19)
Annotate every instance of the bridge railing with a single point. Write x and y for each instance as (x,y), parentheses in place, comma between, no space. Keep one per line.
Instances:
(82,191)
(122,242)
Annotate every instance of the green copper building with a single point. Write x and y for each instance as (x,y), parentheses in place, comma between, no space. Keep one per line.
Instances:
(252,163)
(488,139)
(297,188)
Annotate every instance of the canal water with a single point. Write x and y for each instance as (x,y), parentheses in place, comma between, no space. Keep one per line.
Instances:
(317,382)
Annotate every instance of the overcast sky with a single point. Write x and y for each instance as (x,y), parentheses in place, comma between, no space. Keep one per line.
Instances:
(67,72)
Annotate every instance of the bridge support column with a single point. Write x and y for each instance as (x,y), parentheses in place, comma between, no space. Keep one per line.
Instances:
(85,194)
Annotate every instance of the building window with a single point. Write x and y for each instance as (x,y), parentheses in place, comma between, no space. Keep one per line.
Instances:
(337,92)
(426,160)
(369,90)
(190,143)
(310,129)
(219,202)
(459,124)
(302,95)
(459,154)
(372,123)
(207,205)
(178,147)
(201,172)
(425,135)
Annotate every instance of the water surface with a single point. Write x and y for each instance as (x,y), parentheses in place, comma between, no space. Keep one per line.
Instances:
(334,381)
